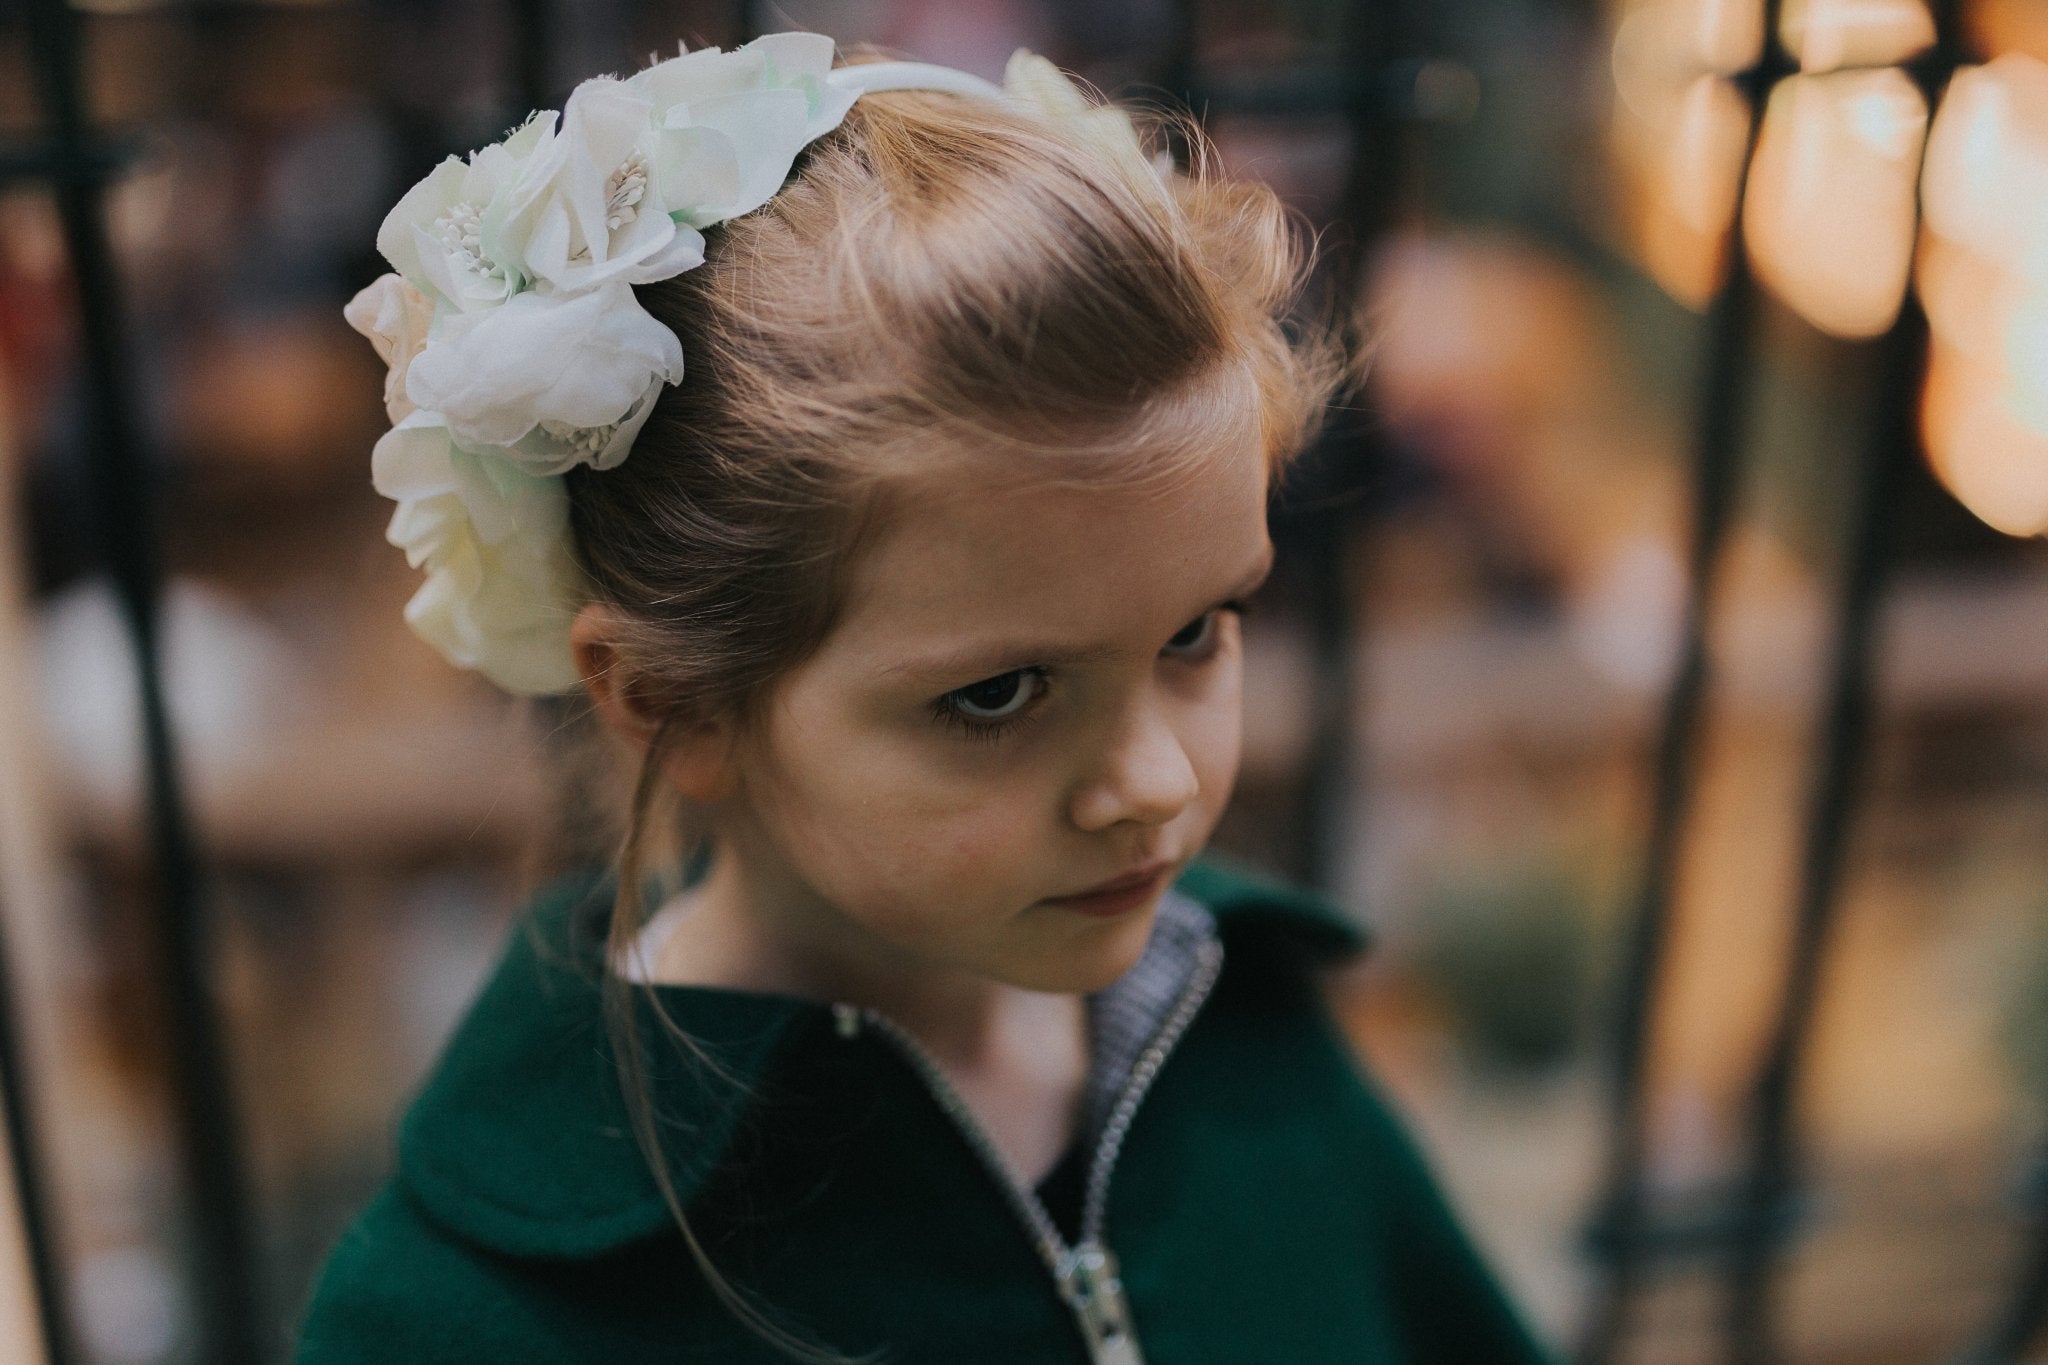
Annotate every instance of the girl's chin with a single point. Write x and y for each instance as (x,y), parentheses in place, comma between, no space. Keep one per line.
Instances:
(1092,965)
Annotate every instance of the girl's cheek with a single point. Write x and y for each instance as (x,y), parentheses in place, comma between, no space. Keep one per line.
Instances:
(980,846)
(953,871)
(1221,728)
(1222,751)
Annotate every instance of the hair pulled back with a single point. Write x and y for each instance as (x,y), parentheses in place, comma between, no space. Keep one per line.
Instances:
(940,274)
(942,278)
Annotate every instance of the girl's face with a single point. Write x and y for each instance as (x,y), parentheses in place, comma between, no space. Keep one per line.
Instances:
(1024,724)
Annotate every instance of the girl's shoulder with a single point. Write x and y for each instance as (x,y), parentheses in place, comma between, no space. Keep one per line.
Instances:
(517,1162)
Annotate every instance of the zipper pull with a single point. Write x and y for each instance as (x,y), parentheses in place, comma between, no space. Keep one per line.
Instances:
(846,1020)
(1095,1291)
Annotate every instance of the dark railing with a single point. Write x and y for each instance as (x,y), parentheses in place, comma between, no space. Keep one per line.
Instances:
(1322,509)
(1763,1209)
(208,1137)
(25,1165)
(1372,88)
(1618,1233)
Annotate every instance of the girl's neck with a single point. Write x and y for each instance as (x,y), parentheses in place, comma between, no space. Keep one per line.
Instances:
(1018,1058)
(736,934)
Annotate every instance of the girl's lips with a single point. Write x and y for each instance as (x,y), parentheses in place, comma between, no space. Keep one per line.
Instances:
(1119,896)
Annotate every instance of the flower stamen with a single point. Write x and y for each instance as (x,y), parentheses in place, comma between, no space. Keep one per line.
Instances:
(586,443)
(623,193)
(461,230)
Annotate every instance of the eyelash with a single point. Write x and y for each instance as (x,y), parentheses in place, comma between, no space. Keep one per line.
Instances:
(947,712)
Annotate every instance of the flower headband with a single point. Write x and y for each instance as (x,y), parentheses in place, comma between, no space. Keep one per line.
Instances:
(517,350)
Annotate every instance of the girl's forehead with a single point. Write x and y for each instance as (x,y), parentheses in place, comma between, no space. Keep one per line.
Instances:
(1096,565)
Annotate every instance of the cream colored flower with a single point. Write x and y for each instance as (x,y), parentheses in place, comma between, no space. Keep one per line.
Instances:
(584,211)
(502,581)
(727,126)
(395,317)
(445,235)
(557,380)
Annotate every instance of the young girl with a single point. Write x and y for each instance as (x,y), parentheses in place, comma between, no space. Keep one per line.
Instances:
(916,592)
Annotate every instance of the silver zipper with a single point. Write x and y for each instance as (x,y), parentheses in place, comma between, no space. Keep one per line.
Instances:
(1086,1274)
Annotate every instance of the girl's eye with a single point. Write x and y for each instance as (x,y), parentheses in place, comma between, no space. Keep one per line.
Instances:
(996,698)
(1197,635)
(1194,633)
(1200,638)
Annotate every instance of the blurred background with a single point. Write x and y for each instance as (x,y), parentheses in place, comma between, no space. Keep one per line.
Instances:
(1658,662)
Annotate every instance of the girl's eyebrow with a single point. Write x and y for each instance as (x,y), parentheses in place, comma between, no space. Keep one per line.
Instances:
(992,659)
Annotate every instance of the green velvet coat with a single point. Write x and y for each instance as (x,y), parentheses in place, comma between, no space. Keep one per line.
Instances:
(1266,1207)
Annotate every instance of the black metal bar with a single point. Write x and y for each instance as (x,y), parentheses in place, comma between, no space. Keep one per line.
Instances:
(1315,520)
(746,22)
(1379,49)
(209,1143)
(1179,55)
(1770,1176)
(38,1229)
(1617,1236)
(1327,523)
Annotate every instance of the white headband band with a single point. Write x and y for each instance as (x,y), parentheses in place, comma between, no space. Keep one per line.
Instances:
(872,78)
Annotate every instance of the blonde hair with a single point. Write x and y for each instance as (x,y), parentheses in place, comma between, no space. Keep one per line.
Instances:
(940,278)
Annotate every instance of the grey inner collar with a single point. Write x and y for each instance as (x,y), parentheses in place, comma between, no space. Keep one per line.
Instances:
(1124,1017)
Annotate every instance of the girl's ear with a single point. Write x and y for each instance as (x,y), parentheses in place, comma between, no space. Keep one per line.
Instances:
(698,761)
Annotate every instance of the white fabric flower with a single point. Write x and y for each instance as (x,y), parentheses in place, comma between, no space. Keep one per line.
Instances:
(586,210)
(446,234)
(394,316)
(562,366)
(794,61)
(502,583)
(728,125)
(639,165)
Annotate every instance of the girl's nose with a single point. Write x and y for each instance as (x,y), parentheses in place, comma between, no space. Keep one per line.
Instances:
(1146,777)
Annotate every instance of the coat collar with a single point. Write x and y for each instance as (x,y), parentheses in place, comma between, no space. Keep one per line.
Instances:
(521,1139)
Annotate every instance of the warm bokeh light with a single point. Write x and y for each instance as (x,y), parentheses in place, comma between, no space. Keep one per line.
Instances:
(1995,463)
(1685,172)
(1827,35)
(1680,133)
(1998,26)
(1968,297)
(1661,45)
(2026,358)
(1986,182)
(1983,277)
(1830,213)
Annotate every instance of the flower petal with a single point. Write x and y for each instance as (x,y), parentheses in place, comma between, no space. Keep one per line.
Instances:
(790,56)
(574,360)
(767,129)
(420,205)
(410,461)
(502,582)
(395,316)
